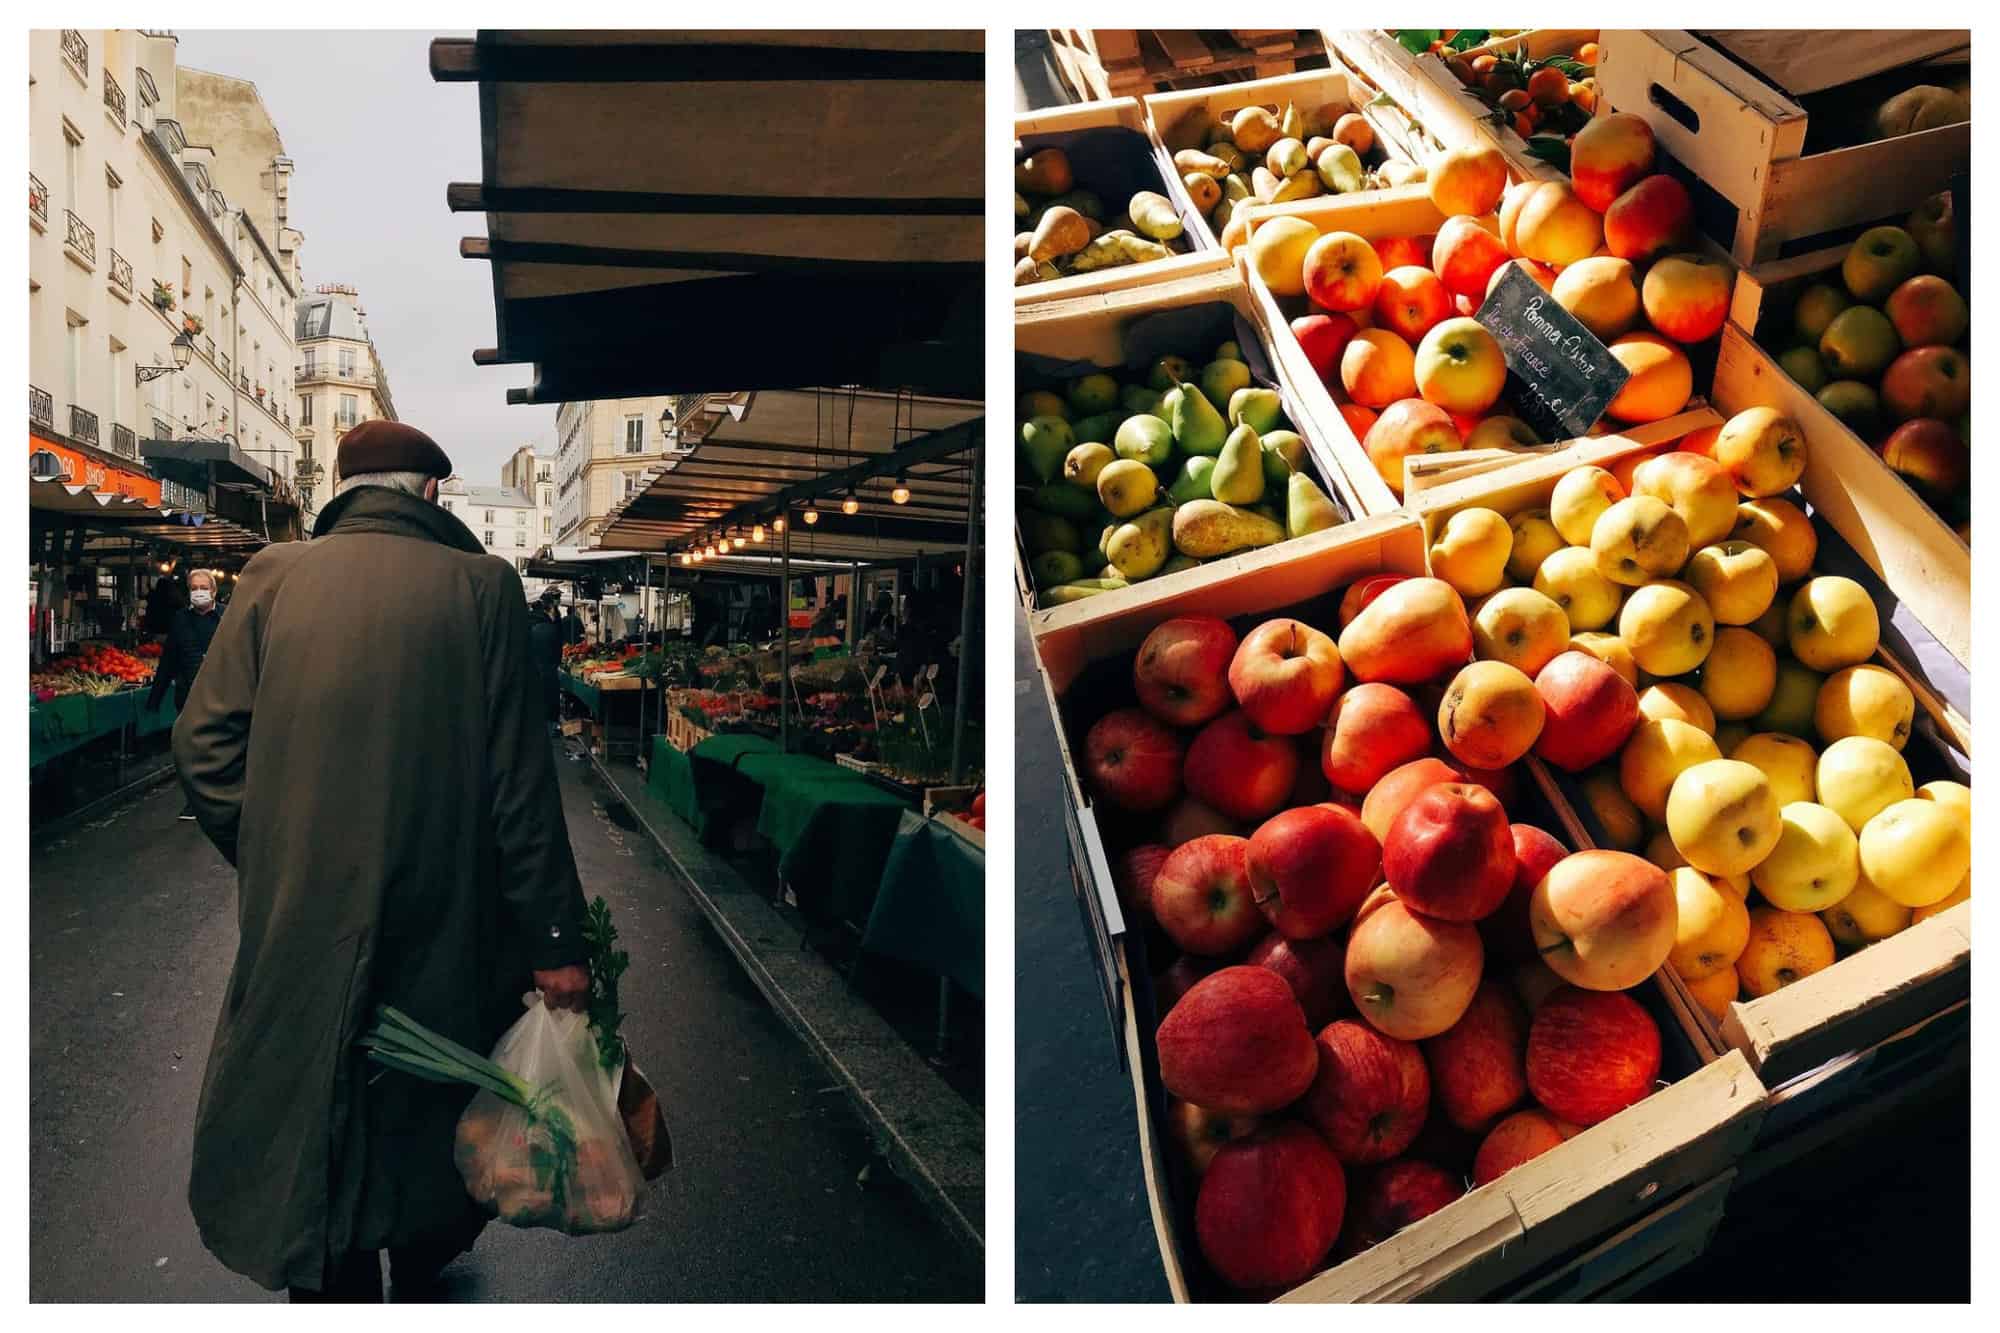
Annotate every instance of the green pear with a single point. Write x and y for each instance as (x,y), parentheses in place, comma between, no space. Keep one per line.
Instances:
(1092,394)
(1060,497)
(1127,487)
(1042,403)
(1097,428)
(1139,547)
(1284,454)
(1053,567)
(1045,442)
(1146,439)
(1340,169)
(1065,593)
(1265,509)
(1291,124)
(1192,483)
(1049,532)
(1205,529)
(1169,371)
(1137,398)
(1238,478)
(1258,408)
(1286,158)
(1082,464)
(1221,379)
(1198,425)
(1306,507)
(1229,351)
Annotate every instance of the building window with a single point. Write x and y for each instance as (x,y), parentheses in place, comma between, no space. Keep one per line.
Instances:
(305,409)
(545,525)
(209,416)
(631,484)
(635,435)
(489,519)
(347,363)
(488,536)
(520,539)
(73,361)
(72,166)
(347,409)
(187,278)
(117,382)
(312,355)
(450,507)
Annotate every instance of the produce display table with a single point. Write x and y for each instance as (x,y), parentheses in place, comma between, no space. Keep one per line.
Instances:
(931,909)
(832,831)
(67,723)
(583,691)
(695,783)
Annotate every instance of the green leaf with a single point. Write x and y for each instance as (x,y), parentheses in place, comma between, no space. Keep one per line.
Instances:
(1470,37)
(1382,99)
(1550,148)
(1574,69)
(1418,40)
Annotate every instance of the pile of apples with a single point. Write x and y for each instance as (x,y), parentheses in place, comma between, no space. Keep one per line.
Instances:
(1391,329)
(1882,346)
(1657,617)
(1135,480)
(1386,991)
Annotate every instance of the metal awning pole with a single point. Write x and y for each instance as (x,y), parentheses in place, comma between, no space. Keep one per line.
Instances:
(854,607)
(967,623)
(785,639)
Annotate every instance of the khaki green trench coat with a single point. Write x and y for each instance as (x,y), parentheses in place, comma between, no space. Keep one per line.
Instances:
(365,745)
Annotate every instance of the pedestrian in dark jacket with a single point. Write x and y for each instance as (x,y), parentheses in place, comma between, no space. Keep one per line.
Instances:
(572,628)
(545,649)
(403,844)
(189,632)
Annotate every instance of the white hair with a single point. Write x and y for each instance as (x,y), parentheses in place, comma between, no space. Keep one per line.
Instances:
(208,574)
(410,483)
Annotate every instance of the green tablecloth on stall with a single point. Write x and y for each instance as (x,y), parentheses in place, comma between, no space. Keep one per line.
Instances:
(74,720)
(585,692)
(832,829)
(932,907)
(153,720)
(698,783)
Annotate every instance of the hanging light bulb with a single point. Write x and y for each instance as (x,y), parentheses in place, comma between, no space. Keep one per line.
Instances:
(850,505)
(741,541)
(811,516)
(778,523)
(166,568)
(901,494)
(757,534)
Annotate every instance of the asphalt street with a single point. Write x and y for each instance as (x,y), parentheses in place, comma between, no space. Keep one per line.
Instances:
(776,1194)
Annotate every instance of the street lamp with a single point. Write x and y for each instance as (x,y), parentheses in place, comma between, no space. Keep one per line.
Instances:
(182,350)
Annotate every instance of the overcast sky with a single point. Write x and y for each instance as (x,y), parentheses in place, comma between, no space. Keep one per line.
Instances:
(376,141)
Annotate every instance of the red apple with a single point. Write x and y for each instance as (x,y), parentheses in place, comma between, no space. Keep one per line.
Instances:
(1178,673)
(1603,920)
(1405,251)
(1411,976)
(1133,760)
(1198,1133)
(1324,338)
(1588,711)
(1648,220)
(1310,868)
(1519,1138)
(1179,978)
(1133,875)
(1500,781)
(1506,933)
(1449,854)
(1478,1063)
(1397,1195)
(1411,300)
(1285,675)
(1373,728)
(1591,1054)
(1310,787)
(1370,1095)
(1341,272)
(1929,454)
(1399,786)
(1240,771)
(1363,591)
(1190,819)
(1927,382)
(1927,310)
(1316,970)
(1201,896)
(1270,1208)
(1237,1042)
(1465,256)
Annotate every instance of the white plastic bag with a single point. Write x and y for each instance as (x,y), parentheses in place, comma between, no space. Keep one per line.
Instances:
(566,1163)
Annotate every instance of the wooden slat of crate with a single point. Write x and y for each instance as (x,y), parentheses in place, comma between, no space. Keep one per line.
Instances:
(1919,557)
(1447,116)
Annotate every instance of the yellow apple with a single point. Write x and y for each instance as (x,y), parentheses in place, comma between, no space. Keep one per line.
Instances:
(1865,915)
(1620,821)
(1858,777)
(1666,698)
(1739,579)
(1698,488)
(1471,553)
(1815,863)
(1660,850)
(1278,251)
(1740,675)
(1583,494)
(1832,623)
(1954,796)
(1723,817)
(1782,528)
(1535,540)
(1786,760)
(1784,947)
(1654,756)
(1771,627)
(1668,625)
(1610,650)
(1915,852)
(1865,700)
(1713,926)
(1716,992)
(1961,894)
(1569,578)
(1520,627)
(1762,450)
(1637,540)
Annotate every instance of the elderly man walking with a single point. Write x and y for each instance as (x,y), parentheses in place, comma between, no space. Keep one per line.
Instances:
(364,744)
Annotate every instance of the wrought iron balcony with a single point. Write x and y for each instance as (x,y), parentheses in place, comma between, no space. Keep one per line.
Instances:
(121,270)
(222,360)
(38,201)
(76,50)
(114,98)
(243,381)
(41,408)
(210,344)
(161,430)
(80,239)
(82,425)
(123,442)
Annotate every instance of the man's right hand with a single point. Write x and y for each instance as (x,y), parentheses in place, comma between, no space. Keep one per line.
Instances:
(564,987)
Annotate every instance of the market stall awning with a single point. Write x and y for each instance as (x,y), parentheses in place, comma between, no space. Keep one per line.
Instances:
(673,211)
(234,466)
(790,442)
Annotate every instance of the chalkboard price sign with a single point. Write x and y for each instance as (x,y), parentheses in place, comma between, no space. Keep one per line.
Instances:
(1560,378)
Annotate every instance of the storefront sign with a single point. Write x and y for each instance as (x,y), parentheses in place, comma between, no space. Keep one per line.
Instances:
(176,496)
(1560,378)
(91,474)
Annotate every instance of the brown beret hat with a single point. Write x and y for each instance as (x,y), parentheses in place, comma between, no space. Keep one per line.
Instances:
(388,446)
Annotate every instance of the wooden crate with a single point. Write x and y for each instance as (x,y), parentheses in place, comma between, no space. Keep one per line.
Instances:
(1441,113)
(1181,119)
(1117,62)
(1535,43)
(1091,329)
(1036,129)
(1921,559)
(1619,1204)
(1744,138)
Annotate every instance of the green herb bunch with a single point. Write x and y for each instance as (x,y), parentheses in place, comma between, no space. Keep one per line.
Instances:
(606,966)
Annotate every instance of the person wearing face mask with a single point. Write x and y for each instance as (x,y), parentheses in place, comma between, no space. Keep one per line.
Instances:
(189,634)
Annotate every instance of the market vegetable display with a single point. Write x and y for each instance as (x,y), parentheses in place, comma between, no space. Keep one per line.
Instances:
(1064,228)
(95,669)
(1128,481)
